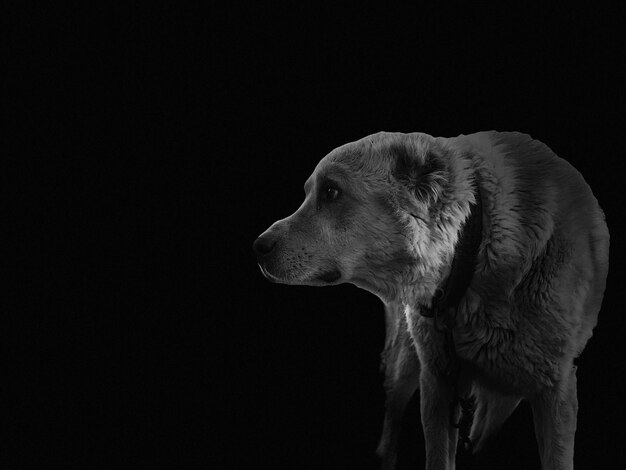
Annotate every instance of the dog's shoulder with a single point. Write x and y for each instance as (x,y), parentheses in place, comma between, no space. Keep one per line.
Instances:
(532,197)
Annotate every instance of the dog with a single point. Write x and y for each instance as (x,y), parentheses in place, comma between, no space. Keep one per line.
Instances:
(517,233)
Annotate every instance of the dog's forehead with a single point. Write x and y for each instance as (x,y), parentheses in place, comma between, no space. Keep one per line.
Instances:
(339,160)
(373,153)
(328,168)
(377,149)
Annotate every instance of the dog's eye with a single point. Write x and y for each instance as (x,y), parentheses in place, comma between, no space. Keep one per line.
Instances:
(330,193)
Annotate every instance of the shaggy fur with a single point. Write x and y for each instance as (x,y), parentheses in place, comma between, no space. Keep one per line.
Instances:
(385,213)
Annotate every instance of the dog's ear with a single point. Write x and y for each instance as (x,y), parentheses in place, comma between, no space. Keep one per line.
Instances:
(424,175)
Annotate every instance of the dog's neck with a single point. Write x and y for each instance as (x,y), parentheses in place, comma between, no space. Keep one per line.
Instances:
(460,272)
(447,285)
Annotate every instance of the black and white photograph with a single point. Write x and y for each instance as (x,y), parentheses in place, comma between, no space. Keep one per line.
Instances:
(310,236)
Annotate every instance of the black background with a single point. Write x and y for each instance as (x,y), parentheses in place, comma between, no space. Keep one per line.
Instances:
(153,144)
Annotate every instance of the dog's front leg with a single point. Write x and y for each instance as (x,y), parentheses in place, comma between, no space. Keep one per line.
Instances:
(402,375)
(402,371)
(439,434)
(554,415)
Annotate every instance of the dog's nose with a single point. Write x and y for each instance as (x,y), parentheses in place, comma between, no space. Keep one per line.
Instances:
(263,245)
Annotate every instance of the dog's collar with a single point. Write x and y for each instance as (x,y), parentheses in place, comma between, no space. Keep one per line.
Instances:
(444,308)
(450,292)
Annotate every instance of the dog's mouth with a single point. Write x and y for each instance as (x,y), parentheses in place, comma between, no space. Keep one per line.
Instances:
(328,277)
(269,276)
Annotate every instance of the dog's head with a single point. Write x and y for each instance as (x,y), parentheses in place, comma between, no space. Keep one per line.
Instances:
(377,213)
